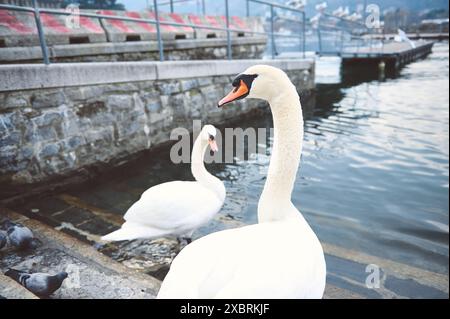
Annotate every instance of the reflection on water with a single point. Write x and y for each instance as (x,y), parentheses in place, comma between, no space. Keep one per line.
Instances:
(374,172)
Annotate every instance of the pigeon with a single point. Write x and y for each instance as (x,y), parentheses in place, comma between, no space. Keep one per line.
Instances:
(3,239)
(41,284)
(20,236)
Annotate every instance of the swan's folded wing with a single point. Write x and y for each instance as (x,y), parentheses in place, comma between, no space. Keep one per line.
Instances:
(254,261)
(173,205)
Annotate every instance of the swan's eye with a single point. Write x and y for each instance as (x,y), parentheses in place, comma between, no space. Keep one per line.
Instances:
(211,138)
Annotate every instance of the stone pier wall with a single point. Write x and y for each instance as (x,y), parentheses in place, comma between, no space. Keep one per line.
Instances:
(56,120)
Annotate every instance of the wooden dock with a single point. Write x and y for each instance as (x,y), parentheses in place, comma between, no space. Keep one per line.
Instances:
(393,54)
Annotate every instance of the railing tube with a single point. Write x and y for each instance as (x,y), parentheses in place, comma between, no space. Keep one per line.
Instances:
(272,30)
(171,6)
(304,34)
(319,37)
(248,7)
(227,14)
(158,32)
(37,17)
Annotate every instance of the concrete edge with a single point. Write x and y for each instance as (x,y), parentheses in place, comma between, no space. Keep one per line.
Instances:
(11,54)
(82,251)
(12,290)
(17,77)
(333,292)
(422,45)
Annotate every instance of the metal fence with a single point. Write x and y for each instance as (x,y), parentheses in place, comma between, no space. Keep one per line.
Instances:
(272,34)
(351,35)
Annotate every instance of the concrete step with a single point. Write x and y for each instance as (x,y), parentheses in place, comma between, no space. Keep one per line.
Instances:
(88,216)
(10,289)
(61,252)
(333,292)
(397,279)
(91,274)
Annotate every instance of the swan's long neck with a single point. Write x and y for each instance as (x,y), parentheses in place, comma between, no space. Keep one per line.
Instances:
(275,202)
(200,173)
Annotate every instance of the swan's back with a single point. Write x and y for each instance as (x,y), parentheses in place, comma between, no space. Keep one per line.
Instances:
(268,260)
(174,207)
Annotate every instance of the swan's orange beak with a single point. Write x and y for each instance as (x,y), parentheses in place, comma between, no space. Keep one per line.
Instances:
(213,145)
(234,95)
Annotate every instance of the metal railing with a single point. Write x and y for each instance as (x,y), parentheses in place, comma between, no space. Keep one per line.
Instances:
(355,30)
(37,11)
(272,7)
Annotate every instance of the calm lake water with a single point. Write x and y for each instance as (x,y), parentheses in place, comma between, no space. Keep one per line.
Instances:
(374,176)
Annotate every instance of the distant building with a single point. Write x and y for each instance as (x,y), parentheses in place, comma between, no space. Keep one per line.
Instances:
(434,25)
(29,3)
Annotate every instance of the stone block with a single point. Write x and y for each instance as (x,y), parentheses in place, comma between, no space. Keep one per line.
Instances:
(49,150)
(169,87)
(120,102)
(47,100)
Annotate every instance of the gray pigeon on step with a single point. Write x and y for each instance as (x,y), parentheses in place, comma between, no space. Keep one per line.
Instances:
(41,284)
(20,236)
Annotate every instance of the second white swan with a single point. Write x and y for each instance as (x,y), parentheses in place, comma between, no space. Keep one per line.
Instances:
(176,208)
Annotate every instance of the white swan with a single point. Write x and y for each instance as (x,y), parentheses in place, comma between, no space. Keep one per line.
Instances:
(280,257)
(176,208)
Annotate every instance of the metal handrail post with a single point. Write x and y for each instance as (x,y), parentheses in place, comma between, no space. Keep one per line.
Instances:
(227,14)
(37,17)
(158,32)
(319,37)
(304,33)
(272,30)
(204,7)
(171,6)
(248,8)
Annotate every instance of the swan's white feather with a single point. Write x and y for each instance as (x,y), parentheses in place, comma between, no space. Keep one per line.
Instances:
(281,256)
(250,262)
(174,208)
